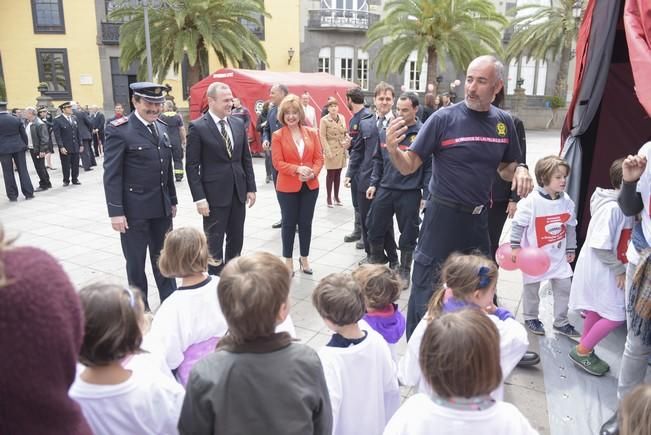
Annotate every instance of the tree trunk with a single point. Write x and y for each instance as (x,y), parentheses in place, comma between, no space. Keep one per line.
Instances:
(560,88)
(432,69)
(194,75)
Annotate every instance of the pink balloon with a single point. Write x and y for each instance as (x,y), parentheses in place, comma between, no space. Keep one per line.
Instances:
(503,257)
(533,261)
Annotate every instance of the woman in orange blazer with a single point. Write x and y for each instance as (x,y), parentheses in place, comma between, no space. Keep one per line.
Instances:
(298,157)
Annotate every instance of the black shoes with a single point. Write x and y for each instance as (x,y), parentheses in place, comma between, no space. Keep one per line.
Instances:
(529,359)
(76,182)
(29,197)
(277,224)
(611,427)
(66,183)
(358,245)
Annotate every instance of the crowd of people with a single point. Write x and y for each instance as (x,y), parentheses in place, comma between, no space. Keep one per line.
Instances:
(220,354)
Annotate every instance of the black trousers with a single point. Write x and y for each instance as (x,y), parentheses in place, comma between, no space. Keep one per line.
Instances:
(297,208)
(405,205)
(268,165)
(96,142)
(177,156)
(146,234)
(445,230)
(39,165)
(496,219)
(69,166)
(7,162)
(87,155)
(390,247)
(229,222)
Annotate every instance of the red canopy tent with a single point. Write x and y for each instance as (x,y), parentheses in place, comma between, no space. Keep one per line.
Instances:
(608,117)
(252,87)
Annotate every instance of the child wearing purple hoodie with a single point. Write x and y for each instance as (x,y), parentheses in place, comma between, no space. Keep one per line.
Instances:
(381,288)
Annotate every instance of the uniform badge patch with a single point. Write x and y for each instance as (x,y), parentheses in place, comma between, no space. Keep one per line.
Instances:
(412,138)
(501,129)
(355,127)
(119,121)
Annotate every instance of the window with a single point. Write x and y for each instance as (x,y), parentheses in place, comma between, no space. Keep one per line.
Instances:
(324,60)
(47,16)
(256,28)
(350,5)
(415,75)
(534,74)
(362,69)
(53,70)
(344,62)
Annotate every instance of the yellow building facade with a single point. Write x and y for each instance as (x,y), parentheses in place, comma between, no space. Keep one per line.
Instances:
(73,46)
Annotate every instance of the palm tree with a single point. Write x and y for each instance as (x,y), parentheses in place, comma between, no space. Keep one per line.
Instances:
(191,28)
(437,29)
(541,32)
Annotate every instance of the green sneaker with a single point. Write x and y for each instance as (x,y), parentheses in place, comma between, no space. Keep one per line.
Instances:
(590,363)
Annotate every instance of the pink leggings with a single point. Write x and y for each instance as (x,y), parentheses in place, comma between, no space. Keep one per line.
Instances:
(596,328)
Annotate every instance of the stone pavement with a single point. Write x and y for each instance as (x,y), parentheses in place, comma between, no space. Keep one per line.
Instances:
(72,224)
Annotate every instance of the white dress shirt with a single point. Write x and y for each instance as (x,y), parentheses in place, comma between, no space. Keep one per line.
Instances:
(217,120)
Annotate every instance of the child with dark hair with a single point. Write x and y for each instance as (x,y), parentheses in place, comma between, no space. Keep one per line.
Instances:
(600,274)
(258,381)
(381,288)
(468,281)
(358,366)
(460,362)
(117,392)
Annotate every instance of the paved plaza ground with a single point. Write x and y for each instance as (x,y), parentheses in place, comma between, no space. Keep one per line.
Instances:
(72,224)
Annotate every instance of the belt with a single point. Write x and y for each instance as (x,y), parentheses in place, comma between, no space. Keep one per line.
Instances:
(457,206)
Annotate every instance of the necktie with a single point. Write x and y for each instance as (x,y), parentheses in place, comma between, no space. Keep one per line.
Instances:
(152,129)
(229,145)
(380,123)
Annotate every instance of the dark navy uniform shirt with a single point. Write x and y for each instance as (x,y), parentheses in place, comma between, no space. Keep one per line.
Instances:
(467,147)
(138,176)
(362,148)
(387,176)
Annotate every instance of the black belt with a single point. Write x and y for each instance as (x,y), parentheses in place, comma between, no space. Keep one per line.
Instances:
(457,206)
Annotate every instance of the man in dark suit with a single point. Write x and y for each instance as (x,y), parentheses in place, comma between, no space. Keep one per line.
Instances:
(139,185)
(220,174)
(38,143)
(66,132)
(13,143)
(276,95)
(98,121)
(86,136)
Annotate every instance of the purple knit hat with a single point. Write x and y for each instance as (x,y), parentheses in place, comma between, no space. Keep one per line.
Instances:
(41,328)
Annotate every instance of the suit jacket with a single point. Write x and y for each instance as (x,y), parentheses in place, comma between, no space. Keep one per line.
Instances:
(286,158)
(98,122)
(66,133)
(85,125)
(12,134)
(272,125)
(211,174)
(40,136)
(138,176)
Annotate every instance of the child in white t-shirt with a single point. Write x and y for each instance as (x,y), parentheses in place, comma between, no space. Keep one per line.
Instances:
(381,288)
(545,219)
(600,273)
(118,393)
(460,362)
(469,282)
(357,363)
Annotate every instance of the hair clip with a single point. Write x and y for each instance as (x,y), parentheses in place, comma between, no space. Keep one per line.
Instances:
(484,279)
(132,297)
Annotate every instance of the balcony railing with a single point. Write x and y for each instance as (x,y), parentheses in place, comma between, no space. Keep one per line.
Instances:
(341,19)
(111,33)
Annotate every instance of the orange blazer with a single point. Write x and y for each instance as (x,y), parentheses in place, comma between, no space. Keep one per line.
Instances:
(286,158)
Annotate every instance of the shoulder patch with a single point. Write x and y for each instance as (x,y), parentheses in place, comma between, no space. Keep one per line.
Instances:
(368,115)
(120,121)
(501,129)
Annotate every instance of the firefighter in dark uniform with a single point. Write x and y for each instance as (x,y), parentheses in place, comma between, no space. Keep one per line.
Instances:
(139,185)
(176,132)
(66,132)
(358,176)
(394,193)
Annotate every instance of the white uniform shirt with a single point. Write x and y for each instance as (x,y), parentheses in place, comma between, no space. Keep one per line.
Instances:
(513,345)
(594,285)
(419,415)
(149,402)
(546,222)
(362,384)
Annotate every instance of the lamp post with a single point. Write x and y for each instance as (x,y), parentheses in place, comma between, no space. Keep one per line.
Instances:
(150,69)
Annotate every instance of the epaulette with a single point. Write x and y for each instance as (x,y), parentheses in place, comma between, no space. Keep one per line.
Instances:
(120,121)
(161,121)
(367,115)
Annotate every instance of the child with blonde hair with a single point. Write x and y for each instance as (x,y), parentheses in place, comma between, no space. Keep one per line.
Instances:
(468,281)
(460,362)
(357,362)
(117,392)
(635,412)
(381,288)
(545,219)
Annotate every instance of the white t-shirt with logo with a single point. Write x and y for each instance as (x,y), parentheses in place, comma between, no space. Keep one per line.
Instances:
(546,222)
